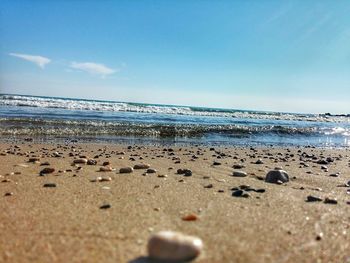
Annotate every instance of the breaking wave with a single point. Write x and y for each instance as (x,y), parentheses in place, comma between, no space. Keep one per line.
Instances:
(110,106)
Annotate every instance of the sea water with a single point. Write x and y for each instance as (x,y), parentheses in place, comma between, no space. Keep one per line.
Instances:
(97,120)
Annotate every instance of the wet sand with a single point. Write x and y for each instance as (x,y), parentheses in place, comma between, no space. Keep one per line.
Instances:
(66,223)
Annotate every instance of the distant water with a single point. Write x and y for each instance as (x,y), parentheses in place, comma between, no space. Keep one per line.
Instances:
(51,117)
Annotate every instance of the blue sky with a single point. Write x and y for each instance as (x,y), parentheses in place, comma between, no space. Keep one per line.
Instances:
(263,55)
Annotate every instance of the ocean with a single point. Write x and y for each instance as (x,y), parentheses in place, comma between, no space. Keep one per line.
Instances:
(52,118)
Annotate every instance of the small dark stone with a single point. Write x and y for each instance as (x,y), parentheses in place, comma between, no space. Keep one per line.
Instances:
(261,190)
(330,201)
(238,166)
(106,206)
(259,161)
(8,194)
(49,185)
(237,193)
(47,170)
(185,172)
(209,186)
(91,162)
(216,163)
(151,171)
(34,159)
(180,171)
(141,166)
(246,195)
(322,161)
(311,198)
(277,177)
(125,170)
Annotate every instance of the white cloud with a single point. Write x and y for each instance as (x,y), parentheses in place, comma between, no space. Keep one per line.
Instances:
(93,68)
(38,60)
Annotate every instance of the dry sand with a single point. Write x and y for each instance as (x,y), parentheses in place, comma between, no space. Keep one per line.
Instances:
(65,223)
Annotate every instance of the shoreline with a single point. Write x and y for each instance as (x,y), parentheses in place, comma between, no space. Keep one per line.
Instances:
(155,141)
(43,224)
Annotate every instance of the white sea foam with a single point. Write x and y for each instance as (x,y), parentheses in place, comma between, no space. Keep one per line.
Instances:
(90,105)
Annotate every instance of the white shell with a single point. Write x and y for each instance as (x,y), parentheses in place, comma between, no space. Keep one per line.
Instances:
(174,246)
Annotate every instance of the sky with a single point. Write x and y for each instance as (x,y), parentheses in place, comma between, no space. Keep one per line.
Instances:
(291,56)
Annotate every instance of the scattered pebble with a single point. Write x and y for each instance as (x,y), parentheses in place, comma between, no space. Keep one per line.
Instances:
(238,166)
(185,172)
(259,161)
(239,174)
(80,161)
(331,201)
(105,206)
(237,193)
(49,185)
(311,198)
(174,246)
(141,166)
(277,177)
(91,162)
(47,170)
(190,217)
(126,170)
(106,169)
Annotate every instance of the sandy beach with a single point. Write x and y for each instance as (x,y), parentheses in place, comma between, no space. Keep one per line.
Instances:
(66,223)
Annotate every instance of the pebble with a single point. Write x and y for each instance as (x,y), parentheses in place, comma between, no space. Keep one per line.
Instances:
(47,170)
(101,179)
(240,193)
(174,246)
(22,165)
(8,194)
(239,174)
(126,170)
(141,166)
(105,206)
(185,172)
(311,198)
(49,185)
(259,161)
(91,162)
(322,162)
(34,159)
(277,177)
(151,171)
(106,169)
(335,174)
(81,160)
(331,201)
(238,166)
(190,217)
